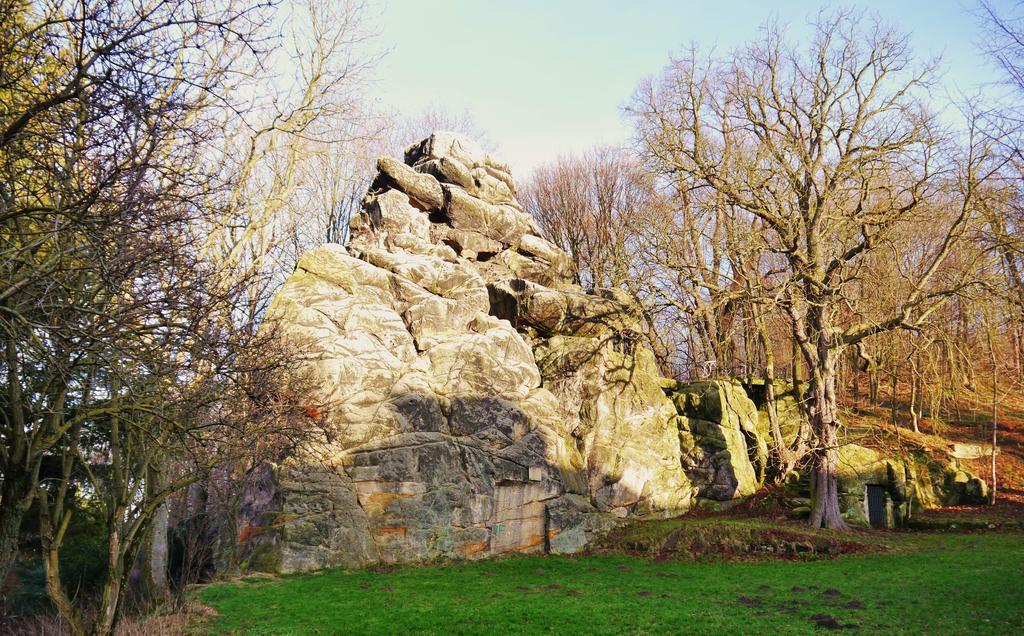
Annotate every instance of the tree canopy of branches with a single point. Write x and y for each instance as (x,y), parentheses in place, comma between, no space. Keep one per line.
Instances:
(821,159)
(586,204)
(135,258)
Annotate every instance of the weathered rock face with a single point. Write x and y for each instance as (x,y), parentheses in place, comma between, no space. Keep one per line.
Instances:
(723,446)
(908,483)
(477,401)
(788,412)
(624,424)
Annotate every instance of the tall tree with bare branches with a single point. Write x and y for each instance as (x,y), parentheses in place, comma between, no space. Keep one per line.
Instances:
(831,151)
(134,255)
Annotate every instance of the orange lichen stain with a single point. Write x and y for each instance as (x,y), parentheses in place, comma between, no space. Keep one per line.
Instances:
(376,502)
(534,541)
(475,547)
(393,531)
(249,532)
(312,412)
(530,545)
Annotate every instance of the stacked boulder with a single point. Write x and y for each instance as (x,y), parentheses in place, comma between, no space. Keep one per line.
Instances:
(478,401)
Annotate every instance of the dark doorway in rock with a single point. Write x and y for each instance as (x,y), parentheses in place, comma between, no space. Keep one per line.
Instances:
(876,506)
(752,454)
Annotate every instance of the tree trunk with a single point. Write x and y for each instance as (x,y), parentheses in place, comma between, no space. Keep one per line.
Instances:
(52,526)
(894,386)
(785,458)
(117,575)
(154,557)
(56,591)
(855,372)
(995,440)
(995,412)
(795,371)
(1018,351)
(11,513)
(916,407)
(20,468)
(825,512)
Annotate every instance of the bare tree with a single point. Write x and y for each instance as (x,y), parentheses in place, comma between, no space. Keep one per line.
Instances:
(586,205)
(292,157)
(832,152)
(1004,41)
(99,153)
(595,207)
(1004,44)
(135,259)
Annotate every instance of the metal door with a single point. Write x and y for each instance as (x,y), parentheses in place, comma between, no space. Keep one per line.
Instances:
(876,506)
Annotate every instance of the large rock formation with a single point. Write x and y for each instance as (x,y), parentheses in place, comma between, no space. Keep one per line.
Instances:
(475,400)
(478,401)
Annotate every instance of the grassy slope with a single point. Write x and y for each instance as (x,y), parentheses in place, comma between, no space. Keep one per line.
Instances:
(934,582)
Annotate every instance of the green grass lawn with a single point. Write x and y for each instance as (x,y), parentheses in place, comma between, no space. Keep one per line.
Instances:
(936,583)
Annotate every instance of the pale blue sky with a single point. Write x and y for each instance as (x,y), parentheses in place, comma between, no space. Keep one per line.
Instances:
(544,78)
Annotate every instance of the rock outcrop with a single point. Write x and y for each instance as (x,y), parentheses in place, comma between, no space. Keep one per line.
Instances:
(478,401)
(908,482)
(916,480)
(475,401)
(722,446)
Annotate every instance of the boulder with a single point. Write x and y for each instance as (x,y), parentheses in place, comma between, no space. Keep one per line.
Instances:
(715,456)
(479,182)
(557,311)
(502,223)
(860,467)
(448,170)
(457,148)
(723,447)
(941,480)
(791,417)
(422,188)
(537,247)
(390,214)
(467,244)
(626,426)
(908,482)
(440,446)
